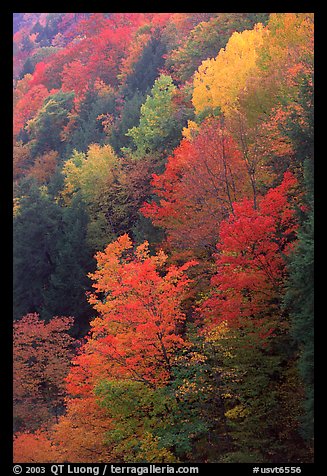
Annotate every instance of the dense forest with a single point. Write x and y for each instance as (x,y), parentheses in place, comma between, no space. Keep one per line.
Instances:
(163,237)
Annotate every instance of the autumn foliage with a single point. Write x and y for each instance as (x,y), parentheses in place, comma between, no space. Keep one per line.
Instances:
(34,448)
(202,179)
(27,105)
(134,338)
(163,198)
(42,354)
(140,318)
(251,258)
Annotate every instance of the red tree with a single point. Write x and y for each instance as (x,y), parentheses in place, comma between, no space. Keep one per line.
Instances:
(250,262)
(27,106)
(42,354)
(201,181)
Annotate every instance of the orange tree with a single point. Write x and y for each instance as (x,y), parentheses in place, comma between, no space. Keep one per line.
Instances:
(119,377)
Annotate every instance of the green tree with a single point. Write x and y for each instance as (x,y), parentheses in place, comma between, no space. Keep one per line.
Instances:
(51,259)
(39,55)
(137,411)
(87,128)
(45,128)
(94,176)
(35,232)
(129,117)
(299,299)
(28,67)
(158,130)
(65,294)
(146,69)
(165,423)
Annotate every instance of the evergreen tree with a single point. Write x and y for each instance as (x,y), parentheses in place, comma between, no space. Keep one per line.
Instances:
(68,282)
(87,126)
(35,233)
(300,300)
(130,117)
(46,127)
(51,259)
(28,68)
(138,84)
(147,67)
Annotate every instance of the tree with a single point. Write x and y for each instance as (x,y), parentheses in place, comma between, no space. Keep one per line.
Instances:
(21,159)
(163,424)
(259,391)
(134,51)
(259,84)
(39,55)
(35,232)
(136,412)
(273,102)
(248,331)
(42,354)
(131,346)
(299,300)
(206,40)
(157,130)
(75,78)
(44,167)
(129,118)
(35,447)
(259,99)
(85,126)
(27,105)
(288,133)
(145,70)
(68,283)
(251,265)
(134,189)
(140,312)
(135,315)
(51,258)
(219,81)
(198,187)
(45,128)
(93,175)
(112,191)
(80,433)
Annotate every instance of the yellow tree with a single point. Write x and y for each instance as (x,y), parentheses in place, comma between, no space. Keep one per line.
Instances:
(93,175)
(271,104)
(255,82)
(86,172)
(284,59)
(219,81)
